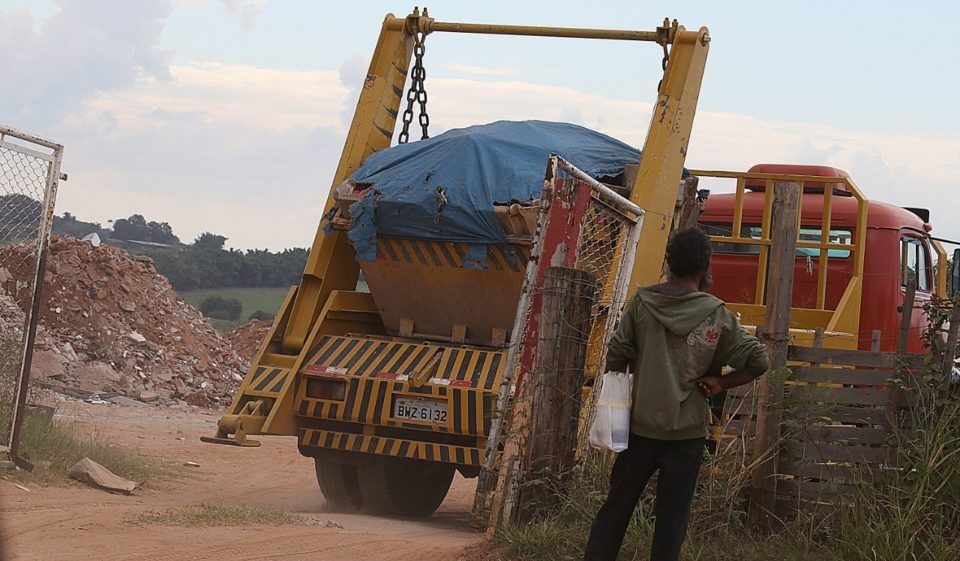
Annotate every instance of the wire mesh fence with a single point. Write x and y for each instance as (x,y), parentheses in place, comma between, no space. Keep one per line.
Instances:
(607,247)
(29,173)
(586,227)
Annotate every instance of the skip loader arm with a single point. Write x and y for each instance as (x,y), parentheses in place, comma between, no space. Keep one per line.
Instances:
(331,265)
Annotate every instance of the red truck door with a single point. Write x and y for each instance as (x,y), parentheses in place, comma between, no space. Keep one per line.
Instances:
(915,264)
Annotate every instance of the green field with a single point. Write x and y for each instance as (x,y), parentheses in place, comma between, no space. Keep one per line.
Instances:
(266,300)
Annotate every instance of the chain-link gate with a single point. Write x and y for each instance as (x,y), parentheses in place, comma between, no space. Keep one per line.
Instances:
(584,225)
(29,175)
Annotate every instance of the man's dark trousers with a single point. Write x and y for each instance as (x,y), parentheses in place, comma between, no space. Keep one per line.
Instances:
(679,464)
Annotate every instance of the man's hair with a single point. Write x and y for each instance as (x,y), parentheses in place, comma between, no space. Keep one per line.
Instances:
(688,253)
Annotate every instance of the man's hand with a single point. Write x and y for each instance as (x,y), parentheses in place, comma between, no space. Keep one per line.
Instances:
(709,385)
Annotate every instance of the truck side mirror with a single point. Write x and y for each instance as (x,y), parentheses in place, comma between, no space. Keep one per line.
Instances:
(955,276)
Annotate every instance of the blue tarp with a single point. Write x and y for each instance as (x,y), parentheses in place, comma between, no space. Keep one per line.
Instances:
(444,188)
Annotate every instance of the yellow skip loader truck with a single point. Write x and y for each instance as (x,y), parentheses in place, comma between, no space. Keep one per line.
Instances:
(394,389)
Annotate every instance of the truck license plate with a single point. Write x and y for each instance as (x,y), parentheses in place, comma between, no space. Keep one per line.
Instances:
(420,410)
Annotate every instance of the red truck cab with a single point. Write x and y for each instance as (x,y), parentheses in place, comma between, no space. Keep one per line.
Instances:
(897,247)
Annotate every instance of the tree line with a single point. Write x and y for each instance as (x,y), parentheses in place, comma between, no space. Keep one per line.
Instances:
(202,265)
(205,263)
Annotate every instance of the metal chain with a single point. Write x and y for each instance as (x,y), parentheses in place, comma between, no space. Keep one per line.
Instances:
(417,92)
(663,64)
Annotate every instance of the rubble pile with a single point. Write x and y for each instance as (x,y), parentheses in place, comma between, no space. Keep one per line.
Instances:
(246,338)
(110,324)
(11,317)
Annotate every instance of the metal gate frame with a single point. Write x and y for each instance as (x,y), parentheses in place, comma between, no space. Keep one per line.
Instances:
(30,146)
(570,203)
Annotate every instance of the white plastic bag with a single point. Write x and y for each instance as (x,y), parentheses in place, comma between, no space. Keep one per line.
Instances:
(611,426)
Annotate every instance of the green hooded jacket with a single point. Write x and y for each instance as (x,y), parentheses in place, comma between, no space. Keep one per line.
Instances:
(670,335)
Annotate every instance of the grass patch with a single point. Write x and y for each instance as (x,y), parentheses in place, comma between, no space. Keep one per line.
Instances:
(54,446)
(909,513)
(206,515)
(10,346)
(266,300)
(715,533)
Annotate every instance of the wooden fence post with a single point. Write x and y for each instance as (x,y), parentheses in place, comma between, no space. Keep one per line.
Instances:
(782,256)
(906,315)
(688,204)
(685,214)
(950,352)
(903,335)
(556,382)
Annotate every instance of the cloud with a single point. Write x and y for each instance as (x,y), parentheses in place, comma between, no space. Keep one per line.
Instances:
(85,48)
(571,115)
(258,187)
(480,70)
(459,102)
(352,73)
(242,151)
(249,152)
(248,10)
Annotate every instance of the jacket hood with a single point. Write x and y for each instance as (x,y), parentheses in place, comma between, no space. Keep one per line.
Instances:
(679,313)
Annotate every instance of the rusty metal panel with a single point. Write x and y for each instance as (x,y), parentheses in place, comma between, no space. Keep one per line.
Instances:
(436,286)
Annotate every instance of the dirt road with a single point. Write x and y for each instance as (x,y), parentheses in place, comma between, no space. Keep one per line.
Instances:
(76,523)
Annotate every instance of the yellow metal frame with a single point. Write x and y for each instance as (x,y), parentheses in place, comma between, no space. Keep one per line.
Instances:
(845,318)
(331,265)
(942,258)
(665,150)
(331,272)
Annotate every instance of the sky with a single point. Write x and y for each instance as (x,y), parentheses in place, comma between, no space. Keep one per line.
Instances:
(229,115)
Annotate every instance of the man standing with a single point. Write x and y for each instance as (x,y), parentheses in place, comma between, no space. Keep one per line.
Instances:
(672,335)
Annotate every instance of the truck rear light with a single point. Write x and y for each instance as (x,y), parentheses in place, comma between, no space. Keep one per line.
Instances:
(319,388)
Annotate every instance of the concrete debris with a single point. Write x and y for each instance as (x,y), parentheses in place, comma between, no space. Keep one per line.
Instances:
(247,338)
(121,329)
(12,317)
(124,400)
(324,523)
(47,365)
(95,376)
(70,392)
(148,396)
(69,353)
(95,475)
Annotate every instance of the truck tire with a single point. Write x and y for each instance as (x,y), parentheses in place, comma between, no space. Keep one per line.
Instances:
(339,483)
(404,487)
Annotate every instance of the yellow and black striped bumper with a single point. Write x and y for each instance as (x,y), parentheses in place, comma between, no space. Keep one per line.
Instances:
(376,371)
(397,447)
